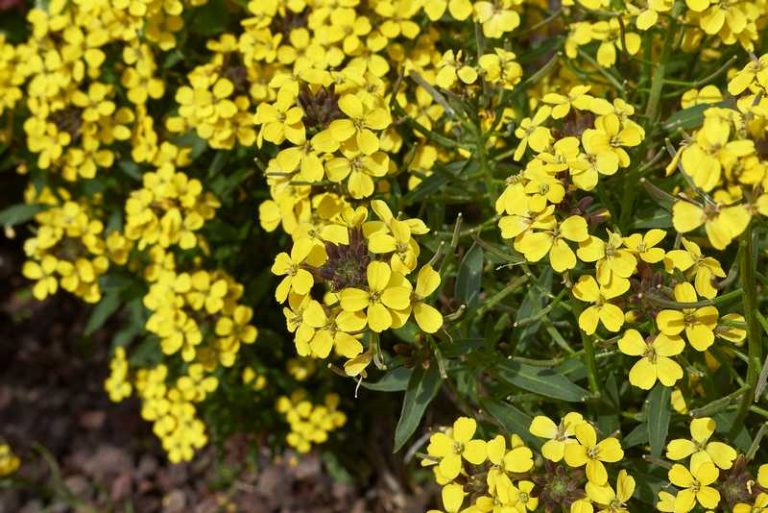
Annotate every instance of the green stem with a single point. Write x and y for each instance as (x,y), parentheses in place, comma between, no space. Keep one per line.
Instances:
(590,361)
(754,338)
(657,83)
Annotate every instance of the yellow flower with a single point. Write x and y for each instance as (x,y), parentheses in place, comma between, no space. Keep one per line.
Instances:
(531,133)
(698,323)
(501,67)
(551,239)
(733,329)
(362,119)
(612,501)
(700,449)
(721,223)
(386,301)
(706,95)
(519,223)
(710,152)
(644,246)
(610,135)
(613,261)
(754,72)
(613,35)
(522,497)
(359,170)
(427,317)
(649,16)
(760,504)
(666,502)
(592,454)
(459,9)
(450,447)
(279,121)
(397,241)
(610,315)
(576,97)
(691,261)
(517,460)
(45,274)
(297,278)
(9,462)
(655,362)
(558,435)
(496,17)
(695,484)
(451,67)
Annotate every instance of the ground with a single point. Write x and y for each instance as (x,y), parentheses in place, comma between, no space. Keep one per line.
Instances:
(81,453)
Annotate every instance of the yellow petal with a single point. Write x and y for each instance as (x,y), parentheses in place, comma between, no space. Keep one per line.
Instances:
(353,300)
(453,497)
(680,448)
(643,374)
(450,466)
(440,445)
(596,472)
(379,318)
(722,454)
(464,429)
(427,317)
(680,476)
(686,216)
(632,343)
(519,460)
(543,427)
(475,452)
(554,450)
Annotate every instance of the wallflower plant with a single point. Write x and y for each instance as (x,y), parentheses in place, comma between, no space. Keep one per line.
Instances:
(539,227)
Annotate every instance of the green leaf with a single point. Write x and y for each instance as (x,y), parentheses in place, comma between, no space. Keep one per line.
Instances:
(511,418)
(108,305)
(20,213)
(542,381)
(658,418)
(742,439)
(686,118)
(409,332)
(638,436)
(395,380)
(469,278)
(210,19)
(534,301)
(659,218)
(422,388)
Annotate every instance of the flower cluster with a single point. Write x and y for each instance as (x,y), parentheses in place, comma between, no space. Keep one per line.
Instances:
(462,196)
(501,475)
(171,407)
(9,462)
(715,475)
(310,423)
(723,164)
(70,249)
(365,266)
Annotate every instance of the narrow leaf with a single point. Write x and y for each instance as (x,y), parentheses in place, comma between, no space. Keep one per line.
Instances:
(658,418)
(422,388)
(395,380)
(542,381)
(108,305)
(638,436)
(20,213)
(511,418)
(470,276)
